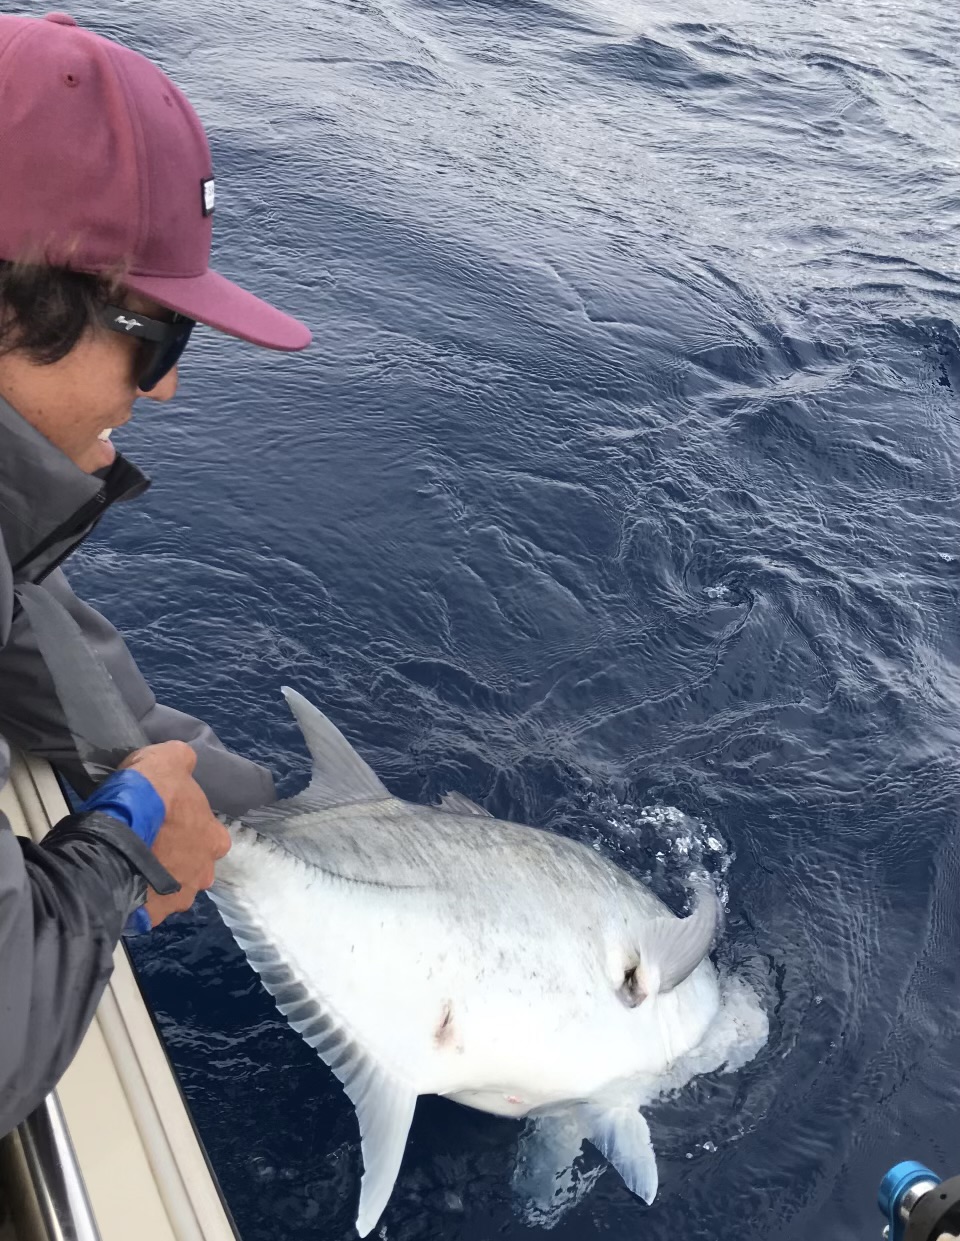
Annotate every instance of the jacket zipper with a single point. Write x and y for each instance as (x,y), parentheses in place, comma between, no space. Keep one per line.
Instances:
(80,523)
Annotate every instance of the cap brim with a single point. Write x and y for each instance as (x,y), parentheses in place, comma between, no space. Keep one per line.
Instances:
(221,304)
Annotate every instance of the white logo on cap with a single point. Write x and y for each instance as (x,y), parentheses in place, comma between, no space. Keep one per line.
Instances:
(209,196)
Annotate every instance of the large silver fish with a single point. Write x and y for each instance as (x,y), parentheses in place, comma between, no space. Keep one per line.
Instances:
(441,951)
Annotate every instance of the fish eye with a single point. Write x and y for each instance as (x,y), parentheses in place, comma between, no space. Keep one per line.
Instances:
(630,990)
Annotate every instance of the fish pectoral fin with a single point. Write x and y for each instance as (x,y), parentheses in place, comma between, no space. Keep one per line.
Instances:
(456,803)
(622,1136)
(340,776)
(670,949)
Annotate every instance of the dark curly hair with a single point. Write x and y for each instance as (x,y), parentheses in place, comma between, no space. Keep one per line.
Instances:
(45,310)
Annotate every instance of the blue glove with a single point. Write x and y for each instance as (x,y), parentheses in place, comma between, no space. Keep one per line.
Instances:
(138,923)
(131,798)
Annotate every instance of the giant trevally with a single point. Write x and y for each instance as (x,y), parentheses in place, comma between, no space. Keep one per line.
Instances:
(426,950)
(437,950)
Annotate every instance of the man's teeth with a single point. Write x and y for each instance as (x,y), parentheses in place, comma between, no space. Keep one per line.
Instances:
(105,435)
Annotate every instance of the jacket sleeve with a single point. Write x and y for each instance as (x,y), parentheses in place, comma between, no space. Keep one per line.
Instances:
(31,717)
(63,904)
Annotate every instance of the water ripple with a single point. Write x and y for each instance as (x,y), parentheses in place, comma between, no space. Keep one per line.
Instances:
(619,492)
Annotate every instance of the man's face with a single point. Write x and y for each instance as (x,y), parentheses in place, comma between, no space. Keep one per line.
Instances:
(76,401)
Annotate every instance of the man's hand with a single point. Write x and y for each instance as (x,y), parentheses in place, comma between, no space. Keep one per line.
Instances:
(190,839)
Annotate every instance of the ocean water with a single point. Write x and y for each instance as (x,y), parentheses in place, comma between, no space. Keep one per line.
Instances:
(619,491)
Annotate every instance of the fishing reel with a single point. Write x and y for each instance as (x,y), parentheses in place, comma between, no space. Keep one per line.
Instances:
(918,1206)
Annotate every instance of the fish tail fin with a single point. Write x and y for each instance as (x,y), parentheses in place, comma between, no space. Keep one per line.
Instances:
(670,949)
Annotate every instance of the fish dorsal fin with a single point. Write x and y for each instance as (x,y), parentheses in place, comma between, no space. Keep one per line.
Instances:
(384,1102)
(456,803)
(622,1135)
(670,949)
(340,776)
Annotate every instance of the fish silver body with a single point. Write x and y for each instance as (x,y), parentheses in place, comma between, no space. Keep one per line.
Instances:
(428,950)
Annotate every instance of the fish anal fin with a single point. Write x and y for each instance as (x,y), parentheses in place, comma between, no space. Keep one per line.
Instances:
(385,1112)
(384,1102)
(622,1136)
(340,776)
(457,803)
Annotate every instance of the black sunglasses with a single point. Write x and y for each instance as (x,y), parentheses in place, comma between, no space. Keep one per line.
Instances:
(162,341)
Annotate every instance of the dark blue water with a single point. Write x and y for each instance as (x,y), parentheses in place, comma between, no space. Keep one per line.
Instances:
(624,473)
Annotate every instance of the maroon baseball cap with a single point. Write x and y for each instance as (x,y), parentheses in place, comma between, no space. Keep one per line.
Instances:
(104,163)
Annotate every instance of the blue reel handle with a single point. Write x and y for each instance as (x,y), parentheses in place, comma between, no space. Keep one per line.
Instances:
(892,1188)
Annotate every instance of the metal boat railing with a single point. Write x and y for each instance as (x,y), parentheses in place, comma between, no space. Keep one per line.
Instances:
(46,1195)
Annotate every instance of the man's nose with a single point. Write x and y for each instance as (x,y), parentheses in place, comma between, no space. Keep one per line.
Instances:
(166,389)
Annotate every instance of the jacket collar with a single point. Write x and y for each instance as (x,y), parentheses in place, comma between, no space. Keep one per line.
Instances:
(42,492)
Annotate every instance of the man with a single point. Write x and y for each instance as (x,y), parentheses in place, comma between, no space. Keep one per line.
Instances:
(106,205)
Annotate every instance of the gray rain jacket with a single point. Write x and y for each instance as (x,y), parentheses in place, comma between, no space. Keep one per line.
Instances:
(63,903)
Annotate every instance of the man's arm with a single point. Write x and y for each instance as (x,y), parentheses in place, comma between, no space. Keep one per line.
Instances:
(63,904)
(36,723)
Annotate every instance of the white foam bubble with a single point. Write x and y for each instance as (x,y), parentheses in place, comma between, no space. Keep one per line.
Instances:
(734,1037)
(664,845)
